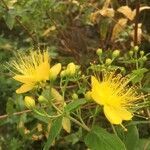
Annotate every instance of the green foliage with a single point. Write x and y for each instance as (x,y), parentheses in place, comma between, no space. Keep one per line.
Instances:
(129,136)
(143,144)
(98,138)
(73,31)
(137,75)
(55,129)
(10,107)
(15,144)
(10,19)
(74,105)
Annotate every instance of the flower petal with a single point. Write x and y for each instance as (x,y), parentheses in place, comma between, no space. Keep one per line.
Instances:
(25,88)
(96,91)
(112,115)
(116,114)
(24,79)
(125,114)
(42,71)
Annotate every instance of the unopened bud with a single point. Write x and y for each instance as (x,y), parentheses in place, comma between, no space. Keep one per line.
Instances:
(141,53)
(108,61)
(144,58)
(42,99)
(71,69)
(99,51)
(29,102)
(56,95)
(131,53)
(88,95)
(136,48)
(123,70)
(75,96)
(54,71)
(63,73)
(115,53)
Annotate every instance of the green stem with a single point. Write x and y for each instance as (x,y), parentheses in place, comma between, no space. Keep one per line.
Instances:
(45,114)
(63,88)
(57,108)
(114,130)
(79,116)
(96,110)
(73,119)
(39,113)
(100,59)
(79,123)
(136,59)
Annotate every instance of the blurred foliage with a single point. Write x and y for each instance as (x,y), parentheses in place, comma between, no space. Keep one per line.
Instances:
(71,30)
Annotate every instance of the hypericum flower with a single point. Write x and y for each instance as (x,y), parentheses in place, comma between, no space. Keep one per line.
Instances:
(116,97)
(31,69)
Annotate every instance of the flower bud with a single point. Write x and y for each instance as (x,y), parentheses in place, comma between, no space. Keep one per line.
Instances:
(54,71)
(144,58)
(115,53)
(108,61)
(75,96)
(122,69)
(71,69)
(136,48)
(42,99)
(63,73)
(131,53)
(79,72)
(88,95)
(56,95)
(29,102)
(141,53)
(99,51)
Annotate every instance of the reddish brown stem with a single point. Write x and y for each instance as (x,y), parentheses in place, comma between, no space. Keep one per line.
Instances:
(16,113)
(136,23)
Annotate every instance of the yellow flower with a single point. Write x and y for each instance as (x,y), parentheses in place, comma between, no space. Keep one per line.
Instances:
(31,69)
(116,97)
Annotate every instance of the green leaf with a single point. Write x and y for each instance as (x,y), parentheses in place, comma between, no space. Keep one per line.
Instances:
(46,93)
(146,89)
(41,118)
(10,18)
(104,27)
(131,134)
(14,144)
(19,102)
(75,104)
(10,106)
(54,131)
(100,139)
(137,75)
(143,144)
(74,137)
